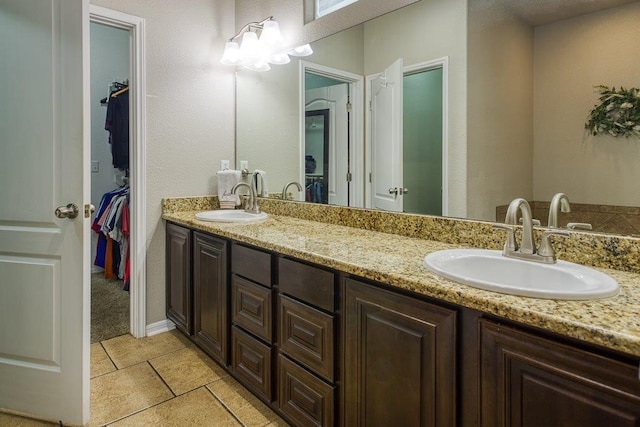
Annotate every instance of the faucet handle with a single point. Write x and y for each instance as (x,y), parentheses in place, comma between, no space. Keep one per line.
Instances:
(579,225)
(545,249)
(533,221)
(510,244)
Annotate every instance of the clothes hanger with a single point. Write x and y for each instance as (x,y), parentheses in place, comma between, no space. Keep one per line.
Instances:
(115,94)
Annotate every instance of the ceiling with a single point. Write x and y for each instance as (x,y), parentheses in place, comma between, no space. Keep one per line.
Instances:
(540,12)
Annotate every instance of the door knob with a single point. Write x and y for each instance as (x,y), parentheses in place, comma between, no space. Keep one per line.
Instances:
(393,190)
(70,211)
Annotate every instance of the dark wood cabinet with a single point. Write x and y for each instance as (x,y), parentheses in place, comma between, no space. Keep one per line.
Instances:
(179,291)
(532,381)
(210,299)
(307,343)
(324,348)
(252,354)
(399,359)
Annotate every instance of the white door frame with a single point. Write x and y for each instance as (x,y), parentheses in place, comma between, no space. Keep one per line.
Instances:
(356,83)
(411,69)
(137,154)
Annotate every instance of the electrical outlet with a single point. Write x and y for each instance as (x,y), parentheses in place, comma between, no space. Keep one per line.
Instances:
(244,164)
(224,165)
(95,166)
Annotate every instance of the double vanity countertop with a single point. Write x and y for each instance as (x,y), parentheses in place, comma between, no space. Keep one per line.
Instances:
(397,260)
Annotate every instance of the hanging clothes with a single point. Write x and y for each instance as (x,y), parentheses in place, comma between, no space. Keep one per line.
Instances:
(111,223)
(117,123)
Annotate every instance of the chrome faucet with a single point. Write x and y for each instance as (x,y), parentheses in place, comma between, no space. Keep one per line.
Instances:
(559,202)
(251,204)
(527,249)
(286,187)
(526,246)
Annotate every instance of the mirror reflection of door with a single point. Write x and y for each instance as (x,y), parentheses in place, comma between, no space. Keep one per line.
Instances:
(407,140)
(422,142)
(329,98)
(316,167)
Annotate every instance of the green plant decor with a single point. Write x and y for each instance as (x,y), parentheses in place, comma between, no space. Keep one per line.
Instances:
(617,114)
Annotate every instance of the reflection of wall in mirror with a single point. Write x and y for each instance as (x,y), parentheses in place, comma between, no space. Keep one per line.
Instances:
(530,89)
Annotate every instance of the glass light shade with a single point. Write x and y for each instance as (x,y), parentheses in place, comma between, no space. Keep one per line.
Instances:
(271,36)
(279,58)
(250,47)
(231,55)
(259,66)
(304,50)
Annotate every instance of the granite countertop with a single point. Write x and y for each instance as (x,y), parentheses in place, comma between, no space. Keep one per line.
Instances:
(396,260)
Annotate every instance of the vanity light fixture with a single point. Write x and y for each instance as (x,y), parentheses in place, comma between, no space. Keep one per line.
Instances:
(257,51)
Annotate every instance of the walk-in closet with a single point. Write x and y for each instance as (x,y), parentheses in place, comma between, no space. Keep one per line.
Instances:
(110,186)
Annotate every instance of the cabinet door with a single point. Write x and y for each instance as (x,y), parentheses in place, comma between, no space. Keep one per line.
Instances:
(399,359)
(210,295)
(531,381)
(178,277)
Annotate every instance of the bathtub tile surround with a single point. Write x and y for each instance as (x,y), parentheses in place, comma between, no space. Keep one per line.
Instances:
(604,218)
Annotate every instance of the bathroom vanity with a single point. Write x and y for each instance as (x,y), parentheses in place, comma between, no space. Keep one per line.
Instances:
(335,325)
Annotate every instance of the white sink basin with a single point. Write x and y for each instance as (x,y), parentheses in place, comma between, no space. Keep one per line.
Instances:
(489,270)
(230,216)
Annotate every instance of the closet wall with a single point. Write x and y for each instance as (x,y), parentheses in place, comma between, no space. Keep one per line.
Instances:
(109,62)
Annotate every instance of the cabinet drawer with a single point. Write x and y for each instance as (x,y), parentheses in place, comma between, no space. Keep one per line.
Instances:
(310,284)
(304,398)
(252,264)
(252,363)
(306,334)
(251,307)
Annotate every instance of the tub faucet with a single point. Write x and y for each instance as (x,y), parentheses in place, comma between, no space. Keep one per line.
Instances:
(251,205)
(286,187)
(559,202)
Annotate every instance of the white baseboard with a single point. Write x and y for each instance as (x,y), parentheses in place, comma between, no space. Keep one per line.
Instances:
(160,327)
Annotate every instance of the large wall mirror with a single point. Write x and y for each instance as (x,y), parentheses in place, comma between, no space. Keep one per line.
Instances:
(516,82)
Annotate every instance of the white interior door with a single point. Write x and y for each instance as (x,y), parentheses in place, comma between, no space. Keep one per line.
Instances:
(386,139)
(44,269)
(339,146)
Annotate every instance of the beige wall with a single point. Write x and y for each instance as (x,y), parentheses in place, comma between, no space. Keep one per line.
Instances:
(571,57)
(500,114)
(190,111)
(290,16)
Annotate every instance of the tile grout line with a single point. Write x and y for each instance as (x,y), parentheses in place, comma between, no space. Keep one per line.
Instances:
(149,407)
(226,408)
(162,379)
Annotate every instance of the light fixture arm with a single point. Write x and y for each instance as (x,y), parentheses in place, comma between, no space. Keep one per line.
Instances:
(258,25)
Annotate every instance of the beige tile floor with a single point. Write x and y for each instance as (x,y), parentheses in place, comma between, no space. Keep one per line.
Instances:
(164,380)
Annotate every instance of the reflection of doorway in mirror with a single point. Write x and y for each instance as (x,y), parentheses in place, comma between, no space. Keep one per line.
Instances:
(317,138)
(407,138)
(327,97)
(422,141)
